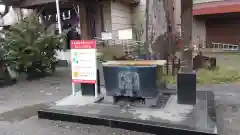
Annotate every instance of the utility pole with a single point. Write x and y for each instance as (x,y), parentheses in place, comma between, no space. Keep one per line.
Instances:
(58,17)
(186,32)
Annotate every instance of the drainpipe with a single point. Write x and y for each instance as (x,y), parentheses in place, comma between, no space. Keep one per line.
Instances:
(101,16)
(58,17)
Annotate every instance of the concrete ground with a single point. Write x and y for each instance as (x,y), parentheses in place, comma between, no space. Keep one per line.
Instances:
(19,104)
(227,107)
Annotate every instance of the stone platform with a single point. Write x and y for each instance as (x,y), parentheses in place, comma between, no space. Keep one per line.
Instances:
(170,119)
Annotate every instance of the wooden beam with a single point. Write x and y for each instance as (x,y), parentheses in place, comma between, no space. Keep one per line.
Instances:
(186,32)
(83,21)
(146,46)
(170,20)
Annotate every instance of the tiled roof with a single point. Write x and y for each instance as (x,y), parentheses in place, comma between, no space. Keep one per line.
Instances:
(218,7)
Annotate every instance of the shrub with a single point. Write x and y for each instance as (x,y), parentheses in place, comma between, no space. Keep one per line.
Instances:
(31,48)
(108,53)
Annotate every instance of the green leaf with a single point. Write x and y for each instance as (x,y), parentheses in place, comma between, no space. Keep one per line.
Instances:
(29,46)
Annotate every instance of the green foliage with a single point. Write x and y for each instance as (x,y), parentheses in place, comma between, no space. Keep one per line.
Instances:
(219,75)
(31,48)
(106,54)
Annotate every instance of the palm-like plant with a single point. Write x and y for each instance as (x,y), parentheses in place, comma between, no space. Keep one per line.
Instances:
(31,48)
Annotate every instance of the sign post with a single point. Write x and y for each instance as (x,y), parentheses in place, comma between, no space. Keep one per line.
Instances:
(84,64)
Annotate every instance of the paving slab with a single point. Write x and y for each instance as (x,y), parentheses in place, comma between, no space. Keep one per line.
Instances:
(172,118)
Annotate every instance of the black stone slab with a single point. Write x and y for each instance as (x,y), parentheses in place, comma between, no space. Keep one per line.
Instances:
(186,88)
(200,120)
(130,81)
(89,89)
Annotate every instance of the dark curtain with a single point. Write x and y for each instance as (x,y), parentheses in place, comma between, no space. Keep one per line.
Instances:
(72,35)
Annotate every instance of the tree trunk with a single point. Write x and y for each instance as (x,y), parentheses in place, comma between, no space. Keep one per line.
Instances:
(159,27)
(186,43)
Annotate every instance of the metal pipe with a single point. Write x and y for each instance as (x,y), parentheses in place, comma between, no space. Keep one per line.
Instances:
(59,24)
(58,17)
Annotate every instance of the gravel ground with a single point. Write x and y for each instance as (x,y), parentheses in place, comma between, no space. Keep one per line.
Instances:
(19,104)
(26,93)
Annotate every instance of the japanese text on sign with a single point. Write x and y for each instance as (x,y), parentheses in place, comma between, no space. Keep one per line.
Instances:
(83,56)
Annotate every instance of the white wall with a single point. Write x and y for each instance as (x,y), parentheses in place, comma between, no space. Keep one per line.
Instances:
(10,18)
(121,17)
(198,30)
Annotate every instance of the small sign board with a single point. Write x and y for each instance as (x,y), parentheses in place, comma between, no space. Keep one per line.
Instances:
(106,35)
(125,34)
(83,57)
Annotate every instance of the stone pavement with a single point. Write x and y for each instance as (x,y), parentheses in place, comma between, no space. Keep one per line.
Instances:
(19,104)
(34,126)
(227,107)
(27,93)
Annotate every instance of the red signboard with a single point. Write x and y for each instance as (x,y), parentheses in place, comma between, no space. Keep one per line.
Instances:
(83,57)
(83,44)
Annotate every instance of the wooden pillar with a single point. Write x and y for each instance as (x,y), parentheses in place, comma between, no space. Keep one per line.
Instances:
(170,20)
(186,32)
(102,17)
(146,46)
(83,20)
